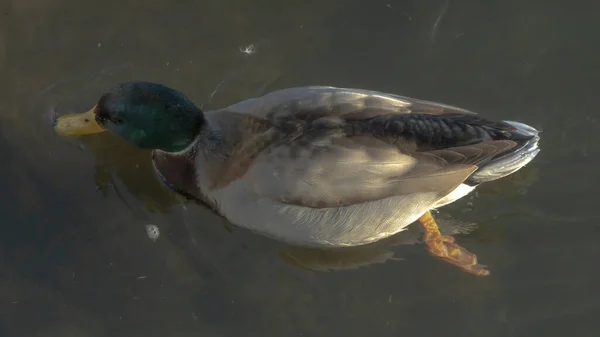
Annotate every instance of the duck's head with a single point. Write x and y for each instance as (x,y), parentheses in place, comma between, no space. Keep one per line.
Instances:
(148,115)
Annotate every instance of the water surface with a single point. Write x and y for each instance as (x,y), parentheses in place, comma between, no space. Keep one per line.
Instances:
(75,258)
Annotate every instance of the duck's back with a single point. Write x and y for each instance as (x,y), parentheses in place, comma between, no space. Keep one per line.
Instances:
(335,101)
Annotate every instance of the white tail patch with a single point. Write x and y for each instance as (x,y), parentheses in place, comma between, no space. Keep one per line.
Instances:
(457,193)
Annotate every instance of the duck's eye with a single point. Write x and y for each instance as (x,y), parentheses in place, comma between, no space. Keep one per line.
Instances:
(102,118)
(117,120)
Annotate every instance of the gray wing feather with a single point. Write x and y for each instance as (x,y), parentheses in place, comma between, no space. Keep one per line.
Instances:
(345,171)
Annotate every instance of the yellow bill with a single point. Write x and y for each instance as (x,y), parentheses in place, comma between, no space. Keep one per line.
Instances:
(78,124)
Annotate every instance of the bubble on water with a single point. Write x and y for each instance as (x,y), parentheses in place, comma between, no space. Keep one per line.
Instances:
(248,50)
(153,232)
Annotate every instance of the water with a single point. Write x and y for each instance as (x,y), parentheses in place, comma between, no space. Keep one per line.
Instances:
(76,258)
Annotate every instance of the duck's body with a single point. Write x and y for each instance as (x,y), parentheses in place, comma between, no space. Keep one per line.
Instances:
(325,166)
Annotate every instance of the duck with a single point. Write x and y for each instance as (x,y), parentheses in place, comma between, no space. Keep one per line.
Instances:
(317,166)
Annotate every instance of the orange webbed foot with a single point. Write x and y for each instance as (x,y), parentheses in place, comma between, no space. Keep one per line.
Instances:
(447,249)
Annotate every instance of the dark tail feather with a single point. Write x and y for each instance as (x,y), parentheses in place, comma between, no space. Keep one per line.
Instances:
(511,162)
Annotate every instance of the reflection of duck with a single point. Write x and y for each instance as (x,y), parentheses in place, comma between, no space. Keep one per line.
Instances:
(122,166)
(317,166)
(318,259)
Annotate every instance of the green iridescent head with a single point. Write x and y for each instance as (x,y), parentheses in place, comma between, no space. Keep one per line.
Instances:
(148,115)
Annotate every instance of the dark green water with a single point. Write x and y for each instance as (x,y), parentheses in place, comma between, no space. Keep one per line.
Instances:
(75,259)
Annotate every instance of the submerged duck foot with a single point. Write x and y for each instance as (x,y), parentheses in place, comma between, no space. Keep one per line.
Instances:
(445,248)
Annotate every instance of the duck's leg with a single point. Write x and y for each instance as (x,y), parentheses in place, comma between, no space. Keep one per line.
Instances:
(444,247)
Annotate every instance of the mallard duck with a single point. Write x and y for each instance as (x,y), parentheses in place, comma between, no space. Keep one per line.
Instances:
(317,166)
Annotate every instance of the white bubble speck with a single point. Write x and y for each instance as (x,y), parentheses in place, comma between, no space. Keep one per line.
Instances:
(153,232)
(248,50)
